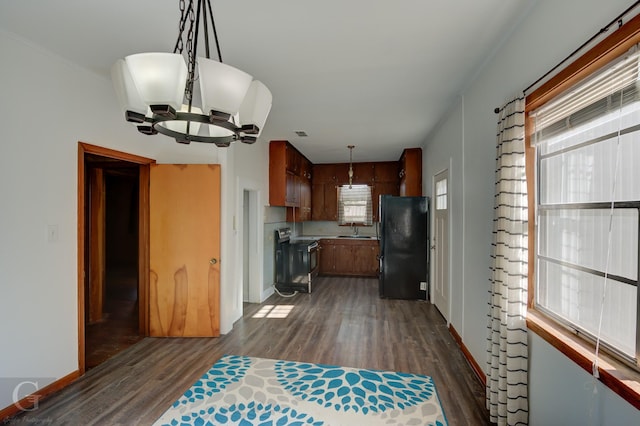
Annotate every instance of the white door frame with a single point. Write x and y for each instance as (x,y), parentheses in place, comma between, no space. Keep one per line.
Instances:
(255,240)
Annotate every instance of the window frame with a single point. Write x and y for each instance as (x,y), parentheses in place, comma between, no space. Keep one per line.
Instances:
(616,375)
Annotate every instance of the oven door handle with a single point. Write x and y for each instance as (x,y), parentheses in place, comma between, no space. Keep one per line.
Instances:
(312,246)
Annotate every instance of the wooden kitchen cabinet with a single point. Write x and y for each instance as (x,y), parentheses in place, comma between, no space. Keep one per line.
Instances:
(324,193)
(324,201)
(327,257)
(386,182)
(411,172)
(289,179)
(349,257)
(310,191)
(363,173)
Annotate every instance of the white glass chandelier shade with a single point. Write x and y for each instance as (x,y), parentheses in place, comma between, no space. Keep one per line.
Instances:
(193,128)
(256,105)
(126,91)
(160,78)
(222,87)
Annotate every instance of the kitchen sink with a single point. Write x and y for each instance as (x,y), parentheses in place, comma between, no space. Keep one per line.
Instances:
(363,237)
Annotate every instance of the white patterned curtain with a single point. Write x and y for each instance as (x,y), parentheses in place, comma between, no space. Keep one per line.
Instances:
(507,360)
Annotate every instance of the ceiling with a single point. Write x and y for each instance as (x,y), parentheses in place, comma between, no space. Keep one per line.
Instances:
(377,74)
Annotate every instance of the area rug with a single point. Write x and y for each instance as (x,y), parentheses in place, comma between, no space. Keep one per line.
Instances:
(241,390)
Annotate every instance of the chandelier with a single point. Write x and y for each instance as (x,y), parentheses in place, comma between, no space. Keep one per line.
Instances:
(158,91)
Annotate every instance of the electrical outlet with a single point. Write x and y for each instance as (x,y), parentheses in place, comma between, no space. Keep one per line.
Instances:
(423,285)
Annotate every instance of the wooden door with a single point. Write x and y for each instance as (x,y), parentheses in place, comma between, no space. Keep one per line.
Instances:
(184,239)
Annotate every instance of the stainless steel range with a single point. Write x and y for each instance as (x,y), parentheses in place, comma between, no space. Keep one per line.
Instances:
(296,262)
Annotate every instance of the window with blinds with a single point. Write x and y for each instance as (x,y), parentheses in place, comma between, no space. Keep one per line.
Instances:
(587,143)
(355,205)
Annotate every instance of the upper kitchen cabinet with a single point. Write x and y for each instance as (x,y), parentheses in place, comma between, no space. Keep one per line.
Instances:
(324,194)
(301,212)
(386,171)
(363,173)
(289,178)
(411,172)
(386,182)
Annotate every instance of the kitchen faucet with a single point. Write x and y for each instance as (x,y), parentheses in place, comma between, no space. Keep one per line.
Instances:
(354,229)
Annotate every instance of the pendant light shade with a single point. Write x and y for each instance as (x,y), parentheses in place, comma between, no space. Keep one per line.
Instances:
(256,106)
(126,91)
(159,77)
(222,86)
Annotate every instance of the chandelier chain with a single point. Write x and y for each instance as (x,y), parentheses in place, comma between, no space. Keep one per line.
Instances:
(188,91)
(179,47)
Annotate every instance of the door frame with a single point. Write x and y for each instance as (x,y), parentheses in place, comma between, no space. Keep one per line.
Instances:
(256,230)
(143,238)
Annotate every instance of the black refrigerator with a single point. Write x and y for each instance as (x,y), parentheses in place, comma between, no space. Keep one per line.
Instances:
(404,247)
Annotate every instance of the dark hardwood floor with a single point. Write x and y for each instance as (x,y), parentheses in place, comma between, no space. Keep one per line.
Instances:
(343,322)
(119,327)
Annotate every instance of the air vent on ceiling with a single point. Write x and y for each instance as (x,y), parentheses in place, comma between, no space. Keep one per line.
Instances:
(301,133)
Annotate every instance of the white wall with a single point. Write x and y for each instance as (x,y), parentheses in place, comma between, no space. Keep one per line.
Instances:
(47,106)
(559,391)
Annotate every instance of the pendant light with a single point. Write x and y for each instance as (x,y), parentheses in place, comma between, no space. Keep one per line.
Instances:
(156,90)
(350,164)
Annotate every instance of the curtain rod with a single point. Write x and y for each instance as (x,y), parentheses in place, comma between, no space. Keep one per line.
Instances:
(603,30)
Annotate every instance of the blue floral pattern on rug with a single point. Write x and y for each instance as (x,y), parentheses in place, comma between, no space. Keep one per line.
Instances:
(360,390)
(246,391)
(227,370)
(246,415)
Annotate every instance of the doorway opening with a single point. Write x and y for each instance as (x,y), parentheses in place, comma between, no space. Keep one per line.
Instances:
(251,246)
(113,252)
(111,240)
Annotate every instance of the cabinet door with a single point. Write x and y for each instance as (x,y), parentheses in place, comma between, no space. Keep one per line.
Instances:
(365,261)
(341,173)
(330,202)
(305,200)
(363,173)
(277,173)
(322,173)
(386,171)
(344,259)
(411,172)
(327,257)
(317,202)
(293,159)
(292,190)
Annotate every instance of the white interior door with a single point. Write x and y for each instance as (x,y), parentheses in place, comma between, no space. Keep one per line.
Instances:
(441,243)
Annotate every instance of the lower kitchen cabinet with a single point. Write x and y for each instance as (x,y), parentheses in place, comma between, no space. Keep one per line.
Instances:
(349,257)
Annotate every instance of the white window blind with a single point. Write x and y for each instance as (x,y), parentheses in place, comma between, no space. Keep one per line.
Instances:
(588,208)
(355,205)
